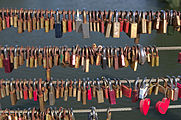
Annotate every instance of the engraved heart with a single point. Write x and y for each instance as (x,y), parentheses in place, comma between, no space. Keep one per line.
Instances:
(162,106)
(144,106)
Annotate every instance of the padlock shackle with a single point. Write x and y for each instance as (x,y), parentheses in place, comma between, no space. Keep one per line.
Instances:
(171,81)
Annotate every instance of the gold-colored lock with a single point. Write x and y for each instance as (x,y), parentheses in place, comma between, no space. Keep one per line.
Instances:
(36,58)
(47,22)
(56,56)
(67,56)
(79,91)
(44,58)
(143,23)
(40,57)
(24,20)
(152,63)
(30,90)
(148,54)
(32,58)
(108,58)
(28,56)
(149,22)
(15,18)
(73,20)
(77,59)
(21,56)
(62,89)
(97,21)
(83,58)
(157,21)
(38,20)
(134,63)
(108,27)
(98,58)
(126,56)
(94,21)
(3,20)
(156,57)
(177,21)
(16,58)
(90,21)
(133,27)
(57,90)
(1,58)
(42,20)
(163,23)
(116,26)
(170,91)
(11,17)
(20,22)
(29,21)
(150,87)
(87,61)
(1,23)
(64,23)
(52,20)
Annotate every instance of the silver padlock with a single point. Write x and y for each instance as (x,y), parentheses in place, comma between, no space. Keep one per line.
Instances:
(142,54)
(176,90)
(143,89)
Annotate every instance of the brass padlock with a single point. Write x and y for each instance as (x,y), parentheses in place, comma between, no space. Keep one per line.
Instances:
(16,58)
(24,20)
(77,59)
(70,88)
(20,22)
(94,21)
(152,63)
(52,20)
(21,56)
(79,91)
(45,92)
(1,58)
(15,18)
(177,21)
(90,21)
(126,56)
(149,21)
(84,93)
(156,57)
(108,58)
(133,27)
(134,63)
(35,58)
(12,94)
(87,61)
(163,23)
(51,94)
(32,58)
(11,17)
(143,23)
(64,23)
(17,90)
(66,91)
(34,21)
(29,21)
(41,97)
(3,19)
(74,88)
(42,19)
(1,28)
(73,20)
(62,89)
(3,90)
(97,21)
(57,91)
(157,21)
(83,58)
(100,95)
(170,91)
(38,20)
(27,56)
(40,57)
(47,22)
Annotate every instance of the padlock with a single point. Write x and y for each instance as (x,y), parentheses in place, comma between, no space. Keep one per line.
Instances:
(97,21)
(91,56)
(87,61)
(116,63)
(98,57)
(58,28)
(70,88)
(35,58)
(151,86)
(127,89)
(25,91)
(141,54)
(78,22)
(108,25)
(126,23)
(21,56)
(45,92)
(29,21)
(11,55)
(108,57)
(121,58)
(44,58)
(35,91)
(75,88)
(163,23)
(170,27)
(84,93)
(90,21)
(3,89)
(120,89)
(94,20)
(67,56)
(7,18)
(16,57)
(73,20)
(89,90)
(1,28)
(56,56)
(6,61)
(143,23)
(133,27)
(85,26)
(51,94)
(104,59)
(1,58)
(156,57)
(30,90)
(116,26)
(177,21)
(17,89)
(41,97)
(157,21)
(100,95)
(93,89)
(112,57)
(15,18)
(170,91)
(64,23)
(121,22)
(11,17)
(102,22)
(12,94)
(116,88)
(38,20)
(93,114)
(143,89)
(152,63)
(57,90)
(179,87)
(156,87)
(69,22)
(77,59)
(61,89)
(79,91)
(32,58)
(47,22)
(52,20)
(134,63)
(148,54)
(21,89)
(7,88)
(176,89)
(40,57)
(42,20)
(34,20)
(105,88)
(112,98)
(50,61)
(149,22)
(135,92)
(179,57)
(24,20)
(126,56)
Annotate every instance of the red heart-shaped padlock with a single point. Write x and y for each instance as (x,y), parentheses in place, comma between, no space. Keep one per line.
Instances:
(162,106)
(144,106)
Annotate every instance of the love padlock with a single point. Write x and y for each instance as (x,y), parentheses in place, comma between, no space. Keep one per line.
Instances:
(127,89)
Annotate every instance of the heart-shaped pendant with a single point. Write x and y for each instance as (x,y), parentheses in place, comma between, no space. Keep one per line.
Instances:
(162,106)
(144,106)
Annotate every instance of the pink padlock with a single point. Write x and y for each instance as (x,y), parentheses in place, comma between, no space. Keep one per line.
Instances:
(179,57)
(89,91)
(35,92)
(179,90)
